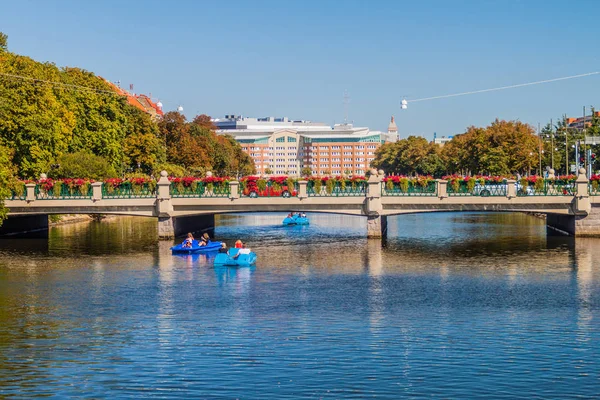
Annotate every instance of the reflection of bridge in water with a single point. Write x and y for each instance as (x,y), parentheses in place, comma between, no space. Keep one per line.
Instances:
(573,214)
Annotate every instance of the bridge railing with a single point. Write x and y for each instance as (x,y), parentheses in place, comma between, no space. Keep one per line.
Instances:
(409,188)
(335,188)
(547,188)
(128,190)
(60,191)
(270,189)
(200,189)
(19,193)
(499,189)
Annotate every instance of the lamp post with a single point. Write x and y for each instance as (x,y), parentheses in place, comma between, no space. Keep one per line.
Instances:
(529,164)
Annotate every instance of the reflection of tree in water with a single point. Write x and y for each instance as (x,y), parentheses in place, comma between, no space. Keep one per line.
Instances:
(473,235)
(123,235)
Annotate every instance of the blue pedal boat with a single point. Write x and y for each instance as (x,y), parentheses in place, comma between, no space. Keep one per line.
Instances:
(295,220)
(228,260)
(196,248)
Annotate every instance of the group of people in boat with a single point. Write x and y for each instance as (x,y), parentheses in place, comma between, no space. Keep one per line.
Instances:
(204,239)
(189,240)
(243,249)
(297,214)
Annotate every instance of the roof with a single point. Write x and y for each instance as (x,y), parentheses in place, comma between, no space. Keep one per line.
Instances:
(141,102)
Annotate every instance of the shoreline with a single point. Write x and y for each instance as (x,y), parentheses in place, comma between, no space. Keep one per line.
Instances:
(67,219)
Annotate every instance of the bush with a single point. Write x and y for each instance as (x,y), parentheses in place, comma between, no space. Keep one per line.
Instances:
(82,165)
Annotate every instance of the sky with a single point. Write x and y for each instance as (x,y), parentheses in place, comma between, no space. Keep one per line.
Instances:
(298,58)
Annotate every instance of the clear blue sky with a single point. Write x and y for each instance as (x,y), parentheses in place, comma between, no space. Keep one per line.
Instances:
(296,58)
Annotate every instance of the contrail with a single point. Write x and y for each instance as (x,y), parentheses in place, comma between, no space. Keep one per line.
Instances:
(505,87)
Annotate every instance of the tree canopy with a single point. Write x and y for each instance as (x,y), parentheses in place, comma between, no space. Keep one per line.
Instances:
(195,146)
(502,148)
(413,155)
(47,112)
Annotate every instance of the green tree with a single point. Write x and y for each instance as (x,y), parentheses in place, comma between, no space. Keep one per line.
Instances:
(6,177)
(504,147)
(3,42)
(413,155)
(82,165)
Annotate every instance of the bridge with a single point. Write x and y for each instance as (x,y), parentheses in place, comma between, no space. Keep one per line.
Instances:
(575,211)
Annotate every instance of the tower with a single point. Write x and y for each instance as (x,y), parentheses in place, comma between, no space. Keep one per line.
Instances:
(392,128)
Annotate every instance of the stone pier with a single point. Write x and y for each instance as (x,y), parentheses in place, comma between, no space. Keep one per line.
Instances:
(376,223)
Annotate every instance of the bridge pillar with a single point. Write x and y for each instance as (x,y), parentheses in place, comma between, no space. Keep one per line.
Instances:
(96,191)
(30,192)
(302,189)
(584,220)
(376,223)
(166,229)
(27,224)
(511,188)
(376,227)
(442,188)
(164,208)
(234,190)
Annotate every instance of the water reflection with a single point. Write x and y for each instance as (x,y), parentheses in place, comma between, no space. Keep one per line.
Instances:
(455,305)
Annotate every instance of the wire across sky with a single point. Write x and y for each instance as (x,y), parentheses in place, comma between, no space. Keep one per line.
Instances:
(503,87)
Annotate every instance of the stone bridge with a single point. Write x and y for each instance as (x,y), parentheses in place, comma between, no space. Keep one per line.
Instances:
(574,212)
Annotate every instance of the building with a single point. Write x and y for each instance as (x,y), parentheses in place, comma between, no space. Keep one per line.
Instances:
(140,101)
(580,123)
(284,147)
(441,140)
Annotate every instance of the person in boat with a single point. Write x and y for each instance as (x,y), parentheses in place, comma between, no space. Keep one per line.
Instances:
(243,250)
(189,240)
(204,239)
(223,248)
(238,244)
(303,215)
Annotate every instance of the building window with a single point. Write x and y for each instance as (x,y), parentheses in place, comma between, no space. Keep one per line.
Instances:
(347,153)
(347,147)
(280,139)
(291,139)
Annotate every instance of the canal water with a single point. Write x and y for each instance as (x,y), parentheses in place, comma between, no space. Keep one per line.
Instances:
(453,305)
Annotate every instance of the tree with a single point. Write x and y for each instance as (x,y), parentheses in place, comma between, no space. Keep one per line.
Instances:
(413,155)
(6,177)
(502,148)
(3,42)
(82,165)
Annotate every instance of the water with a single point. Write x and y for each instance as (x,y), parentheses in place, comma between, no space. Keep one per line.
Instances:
(455,306)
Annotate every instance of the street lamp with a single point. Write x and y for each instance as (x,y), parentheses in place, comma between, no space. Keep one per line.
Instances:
(529,164)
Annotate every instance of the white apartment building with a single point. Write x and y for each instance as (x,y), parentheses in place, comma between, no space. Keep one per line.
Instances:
(284,147)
